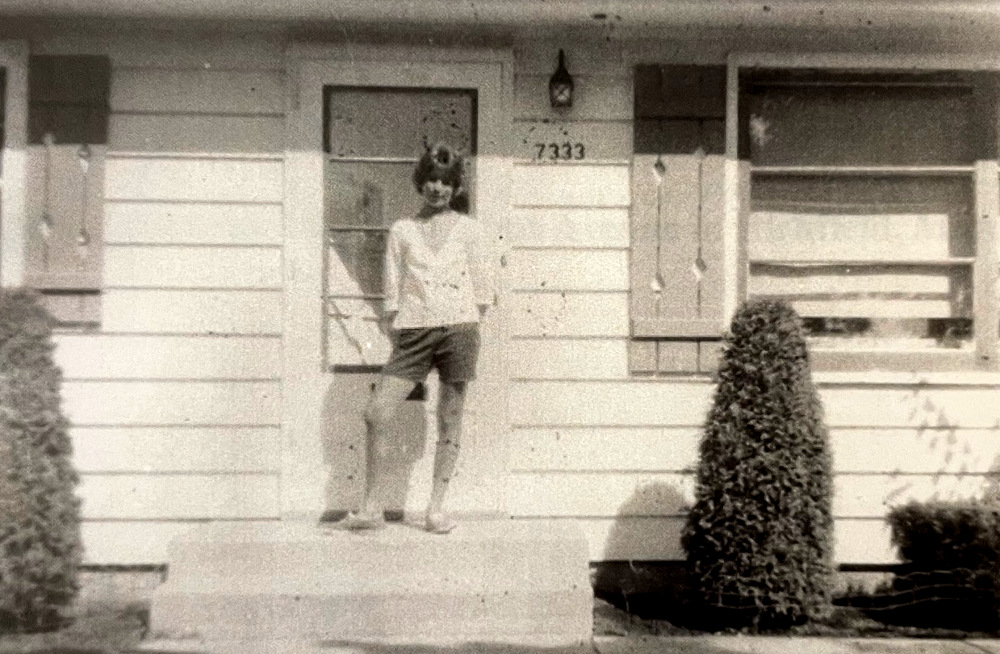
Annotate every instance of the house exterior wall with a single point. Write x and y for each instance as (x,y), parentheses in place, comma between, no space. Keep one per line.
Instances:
(176,401)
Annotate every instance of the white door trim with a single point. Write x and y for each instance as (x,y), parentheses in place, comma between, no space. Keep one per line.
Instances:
(14,59)
(310,68)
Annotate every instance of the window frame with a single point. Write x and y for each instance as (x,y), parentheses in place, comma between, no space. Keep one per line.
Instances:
(986,181)
(13,167)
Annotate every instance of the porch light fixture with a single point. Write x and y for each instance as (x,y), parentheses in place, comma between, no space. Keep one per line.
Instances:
(561,86)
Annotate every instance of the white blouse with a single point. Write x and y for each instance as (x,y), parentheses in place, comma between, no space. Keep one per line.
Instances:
(435,271)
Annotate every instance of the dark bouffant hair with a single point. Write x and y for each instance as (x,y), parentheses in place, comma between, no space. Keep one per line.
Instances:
(442,162)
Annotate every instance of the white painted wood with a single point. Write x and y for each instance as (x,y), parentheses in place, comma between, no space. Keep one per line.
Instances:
(97,403)
(569,314)
(193,179)
(551,358)
(191,223)
(154,48)
(790,236)
(610,449)
(129,542)
(176,449)
(198,90)
(571,270)
(146,497)
(87,356)
(934,280)
(192,267)
(13,162)
(969,408)
(558,403)
(864,60)
(571,185)
(558,141)
(595,97)
(658,538)
(191,312)
(579,227)
(871,496)
(921,450)
(583,57)
(207,135)
(606,494)
(354,339)
(876,308)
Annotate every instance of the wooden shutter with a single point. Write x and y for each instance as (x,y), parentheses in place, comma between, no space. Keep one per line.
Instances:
(67,135)
(678,211)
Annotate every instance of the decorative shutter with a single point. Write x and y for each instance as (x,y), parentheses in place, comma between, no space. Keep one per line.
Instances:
(68,115)
(678,210)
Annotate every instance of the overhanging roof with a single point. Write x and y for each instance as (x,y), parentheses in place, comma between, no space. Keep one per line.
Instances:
(640,17)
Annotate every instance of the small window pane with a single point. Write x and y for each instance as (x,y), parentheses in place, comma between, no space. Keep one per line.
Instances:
(354,264)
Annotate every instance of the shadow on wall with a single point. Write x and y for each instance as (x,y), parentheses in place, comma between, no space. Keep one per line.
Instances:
(344,441)
(650,521)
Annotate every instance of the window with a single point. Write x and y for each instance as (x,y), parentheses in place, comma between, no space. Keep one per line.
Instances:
(872,209)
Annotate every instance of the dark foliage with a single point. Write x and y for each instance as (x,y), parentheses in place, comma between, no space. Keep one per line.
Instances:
(759,537)
(950,572)
(40,546)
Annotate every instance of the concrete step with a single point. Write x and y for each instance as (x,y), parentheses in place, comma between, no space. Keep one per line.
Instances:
(489,580)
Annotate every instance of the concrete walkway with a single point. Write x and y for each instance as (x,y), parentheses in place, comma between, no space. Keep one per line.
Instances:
(600,645)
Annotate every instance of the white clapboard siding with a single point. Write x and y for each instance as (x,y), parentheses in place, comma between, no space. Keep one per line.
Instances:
(680,403)
(560,140)
(569,314)
(576,227)
(540,57)
(558,403)
(969,408)
(787,236)
(158,497)
(195,312)
(88,356)
(921,450)
(176,449)
(595,97)
(657,538)
(197,90)
(551,358)
(573,270)
(601,494)
(189,266)
(571,185)
(609,449)
(196,134)
(172,403)
(672,449)
(192,223)
(187,179)
(170,49)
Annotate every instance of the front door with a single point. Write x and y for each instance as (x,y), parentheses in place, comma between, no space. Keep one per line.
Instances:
(357,133)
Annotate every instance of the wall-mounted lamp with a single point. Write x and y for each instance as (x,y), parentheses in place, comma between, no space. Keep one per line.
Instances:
(561,86)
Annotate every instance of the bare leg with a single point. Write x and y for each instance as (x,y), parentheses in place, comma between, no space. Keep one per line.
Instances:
(450,408)
(379,416)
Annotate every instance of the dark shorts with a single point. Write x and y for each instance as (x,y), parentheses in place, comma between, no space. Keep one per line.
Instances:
(452,349)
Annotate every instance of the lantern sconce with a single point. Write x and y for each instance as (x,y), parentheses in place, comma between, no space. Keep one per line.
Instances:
(561,86)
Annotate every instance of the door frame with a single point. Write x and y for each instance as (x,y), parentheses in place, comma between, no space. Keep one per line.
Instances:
(13,174)
(311,67)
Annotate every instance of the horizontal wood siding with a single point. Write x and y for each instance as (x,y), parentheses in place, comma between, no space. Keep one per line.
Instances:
(175,403)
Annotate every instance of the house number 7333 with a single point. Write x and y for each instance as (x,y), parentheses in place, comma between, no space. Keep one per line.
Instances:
(560,151)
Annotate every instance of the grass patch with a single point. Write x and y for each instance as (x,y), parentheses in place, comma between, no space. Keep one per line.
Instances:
(99,628)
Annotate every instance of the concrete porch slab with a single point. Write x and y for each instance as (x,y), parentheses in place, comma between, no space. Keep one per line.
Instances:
(489,581)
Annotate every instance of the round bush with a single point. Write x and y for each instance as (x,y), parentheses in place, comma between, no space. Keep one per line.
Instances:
(40,547)
(759,537)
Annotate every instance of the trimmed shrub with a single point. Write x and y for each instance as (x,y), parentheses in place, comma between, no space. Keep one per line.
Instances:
(950,573)
(40,547)
(759,537)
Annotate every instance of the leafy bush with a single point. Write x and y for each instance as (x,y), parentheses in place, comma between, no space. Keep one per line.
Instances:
(759,537)
(951,564)
(39,514)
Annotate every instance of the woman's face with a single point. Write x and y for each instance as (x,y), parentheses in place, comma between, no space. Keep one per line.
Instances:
(437,193)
